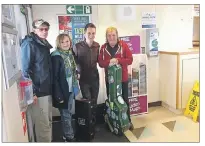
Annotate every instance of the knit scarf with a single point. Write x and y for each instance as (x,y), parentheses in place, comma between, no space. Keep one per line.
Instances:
(70,68)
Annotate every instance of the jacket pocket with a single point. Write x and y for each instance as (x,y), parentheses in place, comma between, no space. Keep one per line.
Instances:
(36,84)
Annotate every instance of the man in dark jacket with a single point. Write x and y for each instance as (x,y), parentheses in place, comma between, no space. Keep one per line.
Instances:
(36,66)
(86,55)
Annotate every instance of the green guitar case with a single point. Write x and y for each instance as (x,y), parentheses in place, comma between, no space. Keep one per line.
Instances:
(116,108)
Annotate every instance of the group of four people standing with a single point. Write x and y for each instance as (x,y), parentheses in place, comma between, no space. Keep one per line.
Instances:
(55,76)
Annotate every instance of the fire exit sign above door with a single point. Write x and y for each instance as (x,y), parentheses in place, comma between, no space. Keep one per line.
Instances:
(79,9)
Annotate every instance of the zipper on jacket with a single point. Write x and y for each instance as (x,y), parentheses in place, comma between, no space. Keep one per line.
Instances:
(90,57)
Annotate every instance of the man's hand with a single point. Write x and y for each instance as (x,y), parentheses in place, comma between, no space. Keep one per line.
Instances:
(35,99)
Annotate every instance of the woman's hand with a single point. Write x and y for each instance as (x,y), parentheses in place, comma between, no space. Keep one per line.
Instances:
(114,61)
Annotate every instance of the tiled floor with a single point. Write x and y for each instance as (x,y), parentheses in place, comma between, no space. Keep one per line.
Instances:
(161,125)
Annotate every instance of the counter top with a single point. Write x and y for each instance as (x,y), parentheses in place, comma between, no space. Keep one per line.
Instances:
(194,50)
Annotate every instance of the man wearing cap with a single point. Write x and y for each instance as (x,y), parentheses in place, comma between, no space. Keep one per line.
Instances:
(36,66)
(115,51)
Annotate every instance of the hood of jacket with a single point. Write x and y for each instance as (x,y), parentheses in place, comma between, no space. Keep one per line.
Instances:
(33,37)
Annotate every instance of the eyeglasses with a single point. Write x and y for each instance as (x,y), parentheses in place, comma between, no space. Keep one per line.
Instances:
(42,29)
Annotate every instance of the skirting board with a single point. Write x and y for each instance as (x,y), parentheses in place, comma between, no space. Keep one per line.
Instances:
(154,104)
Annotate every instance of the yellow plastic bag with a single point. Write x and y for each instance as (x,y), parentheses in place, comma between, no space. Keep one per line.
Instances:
(192,107)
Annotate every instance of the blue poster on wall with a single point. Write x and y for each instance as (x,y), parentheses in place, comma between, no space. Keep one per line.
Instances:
(74,26)
(78,25)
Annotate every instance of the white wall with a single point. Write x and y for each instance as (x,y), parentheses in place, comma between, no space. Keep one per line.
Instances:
(176,27)
(174,23)
(4,132)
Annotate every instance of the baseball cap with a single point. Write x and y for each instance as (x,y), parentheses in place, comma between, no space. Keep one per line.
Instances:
(37,23)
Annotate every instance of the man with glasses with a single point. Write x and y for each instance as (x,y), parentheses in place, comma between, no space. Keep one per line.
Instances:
(36,66)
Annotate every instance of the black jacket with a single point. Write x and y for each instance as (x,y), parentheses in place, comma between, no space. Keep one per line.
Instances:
(60,85)
(86,59)
(36,64)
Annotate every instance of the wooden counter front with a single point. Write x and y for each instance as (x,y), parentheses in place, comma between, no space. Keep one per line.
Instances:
(178,71)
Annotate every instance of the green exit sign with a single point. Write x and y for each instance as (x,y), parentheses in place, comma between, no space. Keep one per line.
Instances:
(78,9)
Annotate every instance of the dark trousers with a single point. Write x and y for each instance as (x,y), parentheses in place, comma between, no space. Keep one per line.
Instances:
(124,95)
(90,91)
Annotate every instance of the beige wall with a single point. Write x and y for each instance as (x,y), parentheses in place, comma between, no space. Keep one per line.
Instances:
(13,126)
